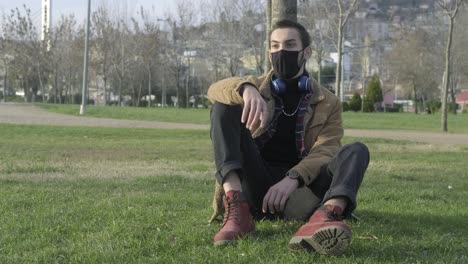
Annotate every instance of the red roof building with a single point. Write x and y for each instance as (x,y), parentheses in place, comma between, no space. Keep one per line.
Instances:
(462,98)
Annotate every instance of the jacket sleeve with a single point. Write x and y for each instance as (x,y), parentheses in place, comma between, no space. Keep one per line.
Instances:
(325,147)
(227,91)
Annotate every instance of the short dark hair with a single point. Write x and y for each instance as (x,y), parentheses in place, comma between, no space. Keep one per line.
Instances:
(305,37)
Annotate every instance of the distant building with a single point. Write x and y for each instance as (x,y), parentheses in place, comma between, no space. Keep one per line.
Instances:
(462,99)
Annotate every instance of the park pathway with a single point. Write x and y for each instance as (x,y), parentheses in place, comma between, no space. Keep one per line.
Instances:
(14,113)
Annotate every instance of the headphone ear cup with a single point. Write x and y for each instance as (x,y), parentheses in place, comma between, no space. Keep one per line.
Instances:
(278,87)
(303,84)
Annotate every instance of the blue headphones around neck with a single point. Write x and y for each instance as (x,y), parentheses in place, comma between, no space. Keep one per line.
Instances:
(278,86)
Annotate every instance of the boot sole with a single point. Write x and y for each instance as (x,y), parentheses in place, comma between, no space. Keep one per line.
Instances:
(221,243)
(332,241)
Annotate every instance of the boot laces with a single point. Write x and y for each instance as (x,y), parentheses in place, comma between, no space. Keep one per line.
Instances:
(231,210)
(332,215)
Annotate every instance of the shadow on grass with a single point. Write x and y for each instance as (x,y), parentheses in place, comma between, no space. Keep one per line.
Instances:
(410,237)
(387,237)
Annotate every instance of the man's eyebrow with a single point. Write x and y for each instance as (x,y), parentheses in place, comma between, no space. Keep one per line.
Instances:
(288,40)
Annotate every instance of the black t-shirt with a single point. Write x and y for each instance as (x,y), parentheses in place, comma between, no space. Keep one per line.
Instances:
(280,150)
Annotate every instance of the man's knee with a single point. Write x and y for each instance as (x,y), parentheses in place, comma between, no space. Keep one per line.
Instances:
(221,112)
(356,148)
(301,204)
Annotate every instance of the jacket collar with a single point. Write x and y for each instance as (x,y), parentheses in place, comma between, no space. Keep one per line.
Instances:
(265,89)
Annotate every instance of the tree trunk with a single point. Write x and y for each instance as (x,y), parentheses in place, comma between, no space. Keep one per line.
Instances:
(163,92)
(415,97)
(120,91)
(149,86)
(105,90)
(41,84)
(5,84)
(283,9)
(338,90)
(139,93)
(267,65)
(70,91)
(343,19)
(447,76)
(187,85)
(424,109)
(56,85)
(363,94)
(277,10)
(452,97)
(319,61)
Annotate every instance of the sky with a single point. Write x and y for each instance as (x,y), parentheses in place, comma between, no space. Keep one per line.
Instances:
(79,7)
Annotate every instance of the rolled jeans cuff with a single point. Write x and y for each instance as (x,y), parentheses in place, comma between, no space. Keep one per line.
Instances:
(225,169)
(343,192)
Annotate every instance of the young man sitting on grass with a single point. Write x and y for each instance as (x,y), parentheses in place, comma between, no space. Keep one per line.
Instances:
(276,141)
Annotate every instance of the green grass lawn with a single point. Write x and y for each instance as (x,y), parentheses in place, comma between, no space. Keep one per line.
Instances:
(395,121)
(175,115)
(108,195)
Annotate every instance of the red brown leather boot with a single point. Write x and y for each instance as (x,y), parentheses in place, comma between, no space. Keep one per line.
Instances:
(237,220)
(325,233)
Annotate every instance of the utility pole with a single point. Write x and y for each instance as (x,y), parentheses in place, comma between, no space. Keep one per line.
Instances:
(85,67)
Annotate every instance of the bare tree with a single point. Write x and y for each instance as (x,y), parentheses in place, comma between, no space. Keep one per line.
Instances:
(450,9)
(266,64)
(121,56)
(104,38)
(181,28)
(65,58)
(459,73)
(311,15)
(252,21)
(6,58)
(344,10)
(413,61)
(147,39)
(29,57)
(331,18)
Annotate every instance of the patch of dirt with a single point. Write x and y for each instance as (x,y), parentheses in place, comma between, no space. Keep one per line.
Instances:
(15,113)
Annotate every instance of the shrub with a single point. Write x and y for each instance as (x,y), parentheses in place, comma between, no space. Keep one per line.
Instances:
(346,107)
(368,106)
(356,103)
(374,94)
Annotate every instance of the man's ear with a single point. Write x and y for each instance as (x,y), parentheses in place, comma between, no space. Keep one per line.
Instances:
(307,53)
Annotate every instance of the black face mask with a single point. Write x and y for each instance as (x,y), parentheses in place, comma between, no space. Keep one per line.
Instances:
(285,63)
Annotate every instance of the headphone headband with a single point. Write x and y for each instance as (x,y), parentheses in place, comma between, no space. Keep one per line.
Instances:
(278,86)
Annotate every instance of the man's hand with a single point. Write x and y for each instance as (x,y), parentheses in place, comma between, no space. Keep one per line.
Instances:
(278,194)
(255,107)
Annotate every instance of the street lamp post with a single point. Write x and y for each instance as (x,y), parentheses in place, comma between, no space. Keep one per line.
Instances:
(85,67)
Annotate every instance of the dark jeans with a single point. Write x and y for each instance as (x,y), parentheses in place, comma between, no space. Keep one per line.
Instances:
(234,149)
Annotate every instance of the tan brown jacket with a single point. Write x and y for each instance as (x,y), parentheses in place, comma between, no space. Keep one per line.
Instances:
(323,129)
